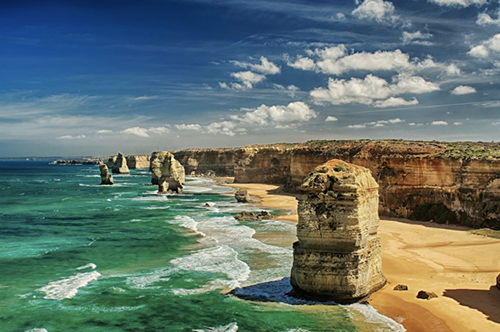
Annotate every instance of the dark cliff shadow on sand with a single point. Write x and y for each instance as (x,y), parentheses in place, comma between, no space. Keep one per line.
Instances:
(486,301)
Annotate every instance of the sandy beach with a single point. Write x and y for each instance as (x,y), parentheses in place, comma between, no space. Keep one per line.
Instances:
(459,267)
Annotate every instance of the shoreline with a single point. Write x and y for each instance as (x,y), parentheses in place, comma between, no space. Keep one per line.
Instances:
(458,266)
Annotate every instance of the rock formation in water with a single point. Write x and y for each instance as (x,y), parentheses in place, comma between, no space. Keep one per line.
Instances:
(241,196)
(337,256)
(106,177)
(167,172)
(448,182)
(118,164)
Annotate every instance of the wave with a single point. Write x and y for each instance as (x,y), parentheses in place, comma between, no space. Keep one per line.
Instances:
(37,330)
(89,265)
(68,288)
(231,327)
(371,315)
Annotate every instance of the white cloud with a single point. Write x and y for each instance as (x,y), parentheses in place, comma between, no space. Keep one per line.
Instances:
(485,19)
(486,47)
(439,123)
(336,61)
(375,124)
(457,123)
(264,115)
(366,91)
(395,101)
(248,78)
(291,89)
(105,131)
(142,98)
(377,10)
(452,70)
(463,90)
(71,137)
(331,118)
(265,67)
(416,37)
(145,132)
(195,127)
(358,126)
(223,128)
(459,3)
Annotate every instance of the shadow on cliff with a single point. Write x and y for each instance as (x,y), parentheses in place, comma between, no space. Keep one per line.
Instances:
(486,301)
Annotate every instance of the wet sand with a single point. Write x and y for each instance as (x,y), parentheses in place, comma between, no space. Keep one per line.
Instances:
(460,267)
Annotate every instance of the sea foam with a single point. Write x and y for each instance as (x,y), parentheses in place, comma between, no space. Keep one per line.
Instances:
(67,288)
(231,327)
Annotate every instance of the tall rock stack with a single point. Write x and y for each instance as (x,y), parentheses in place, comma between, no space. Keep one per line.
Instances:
(167,172)
(337,256)
(106,177)
(120,164)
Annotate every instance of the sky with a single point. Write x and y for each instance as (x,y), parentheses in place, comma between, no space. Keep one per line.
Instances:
(97,77)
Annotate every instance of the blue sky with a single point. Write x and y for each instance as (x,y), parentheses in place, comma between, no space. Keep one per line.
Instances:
(97,77)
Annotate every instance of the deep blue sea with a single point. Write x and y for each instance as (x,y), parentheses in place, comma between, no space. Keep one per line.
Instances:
(78,256)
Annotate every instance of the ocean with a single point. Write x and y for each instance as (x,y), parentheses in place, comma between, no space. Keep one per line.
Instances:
(78,256)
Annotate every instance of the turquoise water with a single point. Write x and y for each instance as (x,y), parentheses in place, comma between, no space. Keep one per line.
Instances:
(77,256)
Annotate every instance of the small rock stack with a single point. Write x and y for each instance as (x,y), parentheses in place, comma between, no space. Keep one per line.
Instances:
(337,256)
(167,173)
(118,164)
(106,177)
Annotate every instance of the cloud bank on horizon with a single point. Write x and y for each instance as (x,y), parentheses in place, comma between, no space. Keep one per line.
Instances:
(82,78)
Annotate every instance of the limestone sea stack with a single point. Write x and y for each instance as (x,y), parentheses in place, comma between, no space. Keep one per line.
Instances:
(337,256)
(167,172)
(106,177)
(120,164)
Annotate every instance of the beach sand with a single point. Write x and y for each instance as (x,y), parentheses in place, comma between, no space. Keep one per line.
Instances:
(459,267)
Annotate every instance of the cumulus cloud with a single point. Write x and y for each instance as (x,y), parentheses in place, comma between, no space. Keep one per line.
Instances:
(458,3)
(331,119)
(357,126)
(335,60)
(416,37)
(291,89)
(264,115)
(485,19)
(395,101)
(439,123)
(373,124)
(145,132)
(248,78)
(370,89)
(486,47)
(376,10)
(264,67)
(277,116)
(463,90)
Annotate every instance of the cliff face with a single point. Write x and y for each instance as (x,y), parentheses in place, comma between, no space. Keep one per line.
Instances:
(167,172)
(338,253)
(445,182)
(138,161)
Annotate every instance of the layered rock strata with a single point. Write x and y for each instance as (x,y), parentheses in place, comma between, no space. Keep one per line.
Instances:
(337,256)
(118,164)
(106,176)
(136,161)
(445,182)
(167,172)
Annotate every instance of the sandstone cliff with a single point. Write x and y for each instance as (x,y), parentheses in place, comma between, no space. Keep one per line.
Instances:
(338,253)
(136,161)
(445,182)
(118,164)
(166,172)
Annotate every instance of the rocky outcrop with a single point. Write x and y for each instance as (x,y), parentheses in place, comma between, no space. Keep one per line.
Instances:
(426,295)
(118,164)
(250,216)
(167,172)
(106,177)
(136,161)
(241,196)
(455,182)
(337,256)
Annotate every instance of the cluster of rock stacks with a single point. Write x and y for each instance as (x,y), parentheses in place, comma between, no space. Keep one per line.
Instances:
(106,177)
(337,256)
(166,172)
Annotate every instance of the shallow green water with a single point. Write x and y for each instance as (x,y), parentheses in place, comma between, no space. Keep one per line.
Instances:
(76,256)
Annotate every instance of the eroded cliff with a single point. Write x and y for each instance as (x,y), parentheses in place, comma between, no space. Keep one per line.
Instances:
(445,182)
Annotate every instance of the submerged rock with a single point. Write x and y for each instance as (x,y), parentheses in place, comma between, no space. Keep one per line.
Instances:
(106,177)
(337,256)
(167,172)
